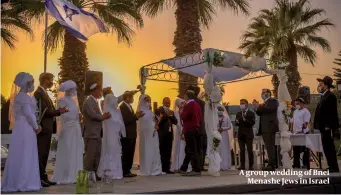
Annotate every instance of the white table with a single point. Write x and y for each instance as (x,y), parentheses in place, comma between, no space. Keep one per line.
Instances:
(311,141)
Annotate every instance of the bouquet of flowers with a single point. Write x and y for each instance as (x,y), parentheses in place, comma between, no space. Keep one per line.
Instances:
(40,114)
(54,144)
(287,112)
(218,59)
(216,140)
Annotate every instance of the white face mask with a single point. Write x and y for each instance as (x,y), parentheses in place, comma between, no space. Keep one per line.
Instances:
(298,107)
(242,106)
(148,104)
(30,88)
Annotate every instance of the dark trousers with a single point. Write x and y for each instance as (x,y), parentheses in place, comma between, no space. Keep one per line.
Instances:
(247,141)
(297,155)
(128,151)
(203,150)
(92,153)
(165,145)
(269,141)
(44,143)
(329,150)
(192,139)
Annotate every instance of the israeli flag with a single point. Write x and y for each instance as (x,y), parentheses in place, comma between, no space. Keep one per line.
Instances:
(80,23)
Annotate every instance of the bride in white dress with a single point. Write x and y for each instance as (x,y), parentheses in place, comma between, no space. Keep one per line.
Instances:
(69,157)
(22,167)
(178,150)
(150,160)
(113,129)
(224,126)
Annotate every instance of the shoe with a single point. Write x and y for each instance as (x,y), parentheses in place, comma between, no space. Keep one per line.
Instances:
(241,168)
(169,172)
(129,175)
(191,174)
(182,172)
(98,178)
(51,183)
(44,184)
(203,169)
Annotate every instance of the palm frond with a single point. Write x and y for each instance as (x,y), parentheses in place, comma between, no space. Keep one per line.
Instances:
(308,54)
(237,6)
(115,23)
(55,36)
(320,42)
(154,7)
(8,38)
(206,12)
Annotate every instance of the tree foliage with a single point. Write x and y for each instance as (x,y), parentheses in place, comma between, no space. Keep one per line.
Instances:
(287,31)
(337,71)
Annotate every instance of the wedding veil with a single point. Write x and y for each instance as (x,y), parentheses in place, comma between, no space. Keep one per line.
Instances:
(20,84)
(68,88)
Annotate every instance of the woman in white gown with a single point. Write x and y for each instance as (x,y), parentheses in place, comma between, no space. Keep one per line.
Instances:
(113,130)
(150,160)
(69,157)
(22,167)
(224,126)
(178,150)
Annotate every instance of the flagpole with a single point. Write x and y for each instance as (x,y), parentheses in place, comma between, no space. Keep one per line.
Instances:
(45,45)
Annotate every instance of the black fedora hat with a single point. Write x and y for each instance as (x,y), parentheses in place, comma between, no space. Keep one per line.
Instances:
(327,80)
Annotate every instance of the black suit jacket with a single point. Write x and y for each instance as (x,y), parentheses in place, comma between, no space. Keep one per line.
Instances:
(129,119)
(48,122)
(246,127)
(166,122)
(326,113)
(268,116)
(201,104)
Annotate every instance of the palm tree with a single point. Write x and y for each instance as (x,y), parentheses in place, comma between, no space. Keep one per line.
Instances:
(116,14)
(286,32)
(12,20)
(190,14)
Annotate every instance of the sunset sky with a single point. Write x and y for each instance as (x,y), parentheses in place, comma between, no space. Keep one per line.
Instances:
(120,63)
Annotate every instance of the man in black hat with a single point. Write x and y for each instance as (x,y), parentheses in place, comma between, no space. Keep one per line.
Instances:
(326,120)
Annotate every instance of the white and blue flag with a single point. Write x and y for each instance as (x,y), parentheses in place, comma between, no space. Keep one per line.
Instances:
(80,23)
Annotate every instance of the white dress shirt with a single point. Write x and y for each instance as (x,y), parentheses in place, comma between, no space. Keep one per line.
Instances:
(300,117)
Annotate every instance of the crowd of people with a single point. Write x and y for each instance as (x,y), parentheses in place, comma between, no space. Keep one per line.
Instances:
(168,140)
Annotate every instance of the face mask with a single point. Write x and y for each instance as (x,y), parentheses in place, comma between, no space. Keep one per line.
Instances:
(148,104)
(165,108)
(220,113)
(298,107)
(320,90)
(30,89)
(242,106)
(264,96)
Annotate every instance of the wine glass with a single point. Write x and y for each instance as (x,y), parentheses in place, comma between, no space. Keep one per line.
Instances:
(92,182)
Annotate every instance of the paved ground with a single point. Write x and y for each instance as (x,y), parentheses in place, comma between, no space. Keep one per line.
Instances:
(164,183)
(141,184)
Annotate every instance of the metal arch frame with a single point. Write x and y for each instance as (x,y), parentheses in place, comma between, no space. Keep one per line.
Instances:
(160,71)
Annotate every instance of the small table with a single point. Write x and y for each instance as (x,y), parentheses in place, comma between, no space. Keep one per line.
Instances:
(311,141)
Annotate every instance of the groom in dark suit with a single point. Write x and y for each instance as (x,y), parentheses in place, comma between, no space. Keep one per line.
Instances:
(268,125)
(48,123)
(128,142)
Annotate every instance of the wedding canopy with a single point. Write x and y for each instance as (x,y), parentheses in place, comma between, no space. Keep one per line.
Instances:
(226,67)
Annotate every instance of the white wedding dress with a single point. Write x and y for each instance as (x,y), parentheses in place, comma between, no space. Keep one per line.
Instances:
(22,167)
(69,158)
(150,160)
(113,128)
(178,150)
(224,146)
